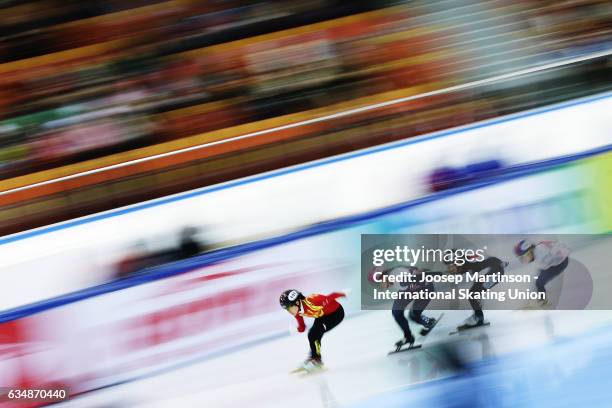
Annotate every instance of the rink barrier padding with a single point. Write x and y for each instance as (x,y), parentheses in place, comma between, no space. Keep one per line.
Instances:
(216,256)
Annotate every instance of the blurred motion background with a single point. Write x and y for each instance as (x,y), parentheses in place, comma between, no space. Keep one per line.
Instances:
(86,85)
(168,149)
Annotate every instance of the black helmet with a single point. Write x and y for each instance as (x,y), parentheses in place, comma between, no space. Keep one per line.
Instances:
(290,297)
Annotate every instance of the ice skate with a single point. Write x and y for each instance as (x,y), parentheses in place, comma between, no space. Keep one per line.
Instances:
(429,323)
(535,304)
(471,322)
(311,364)
(403,341)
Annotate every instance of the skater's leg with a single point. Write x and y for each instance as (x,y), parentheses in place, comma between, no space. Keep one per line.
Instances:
(314,338)
(416,311)
(320,327)
(549,274)
(399,305)
(475,303)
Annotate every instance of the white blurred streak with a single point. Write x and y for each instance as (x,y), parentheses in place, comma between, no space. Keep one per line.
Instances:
(349,112)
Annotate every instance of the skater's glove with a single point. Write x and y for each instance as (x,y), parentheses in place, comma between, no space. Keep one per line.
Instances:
(293,331)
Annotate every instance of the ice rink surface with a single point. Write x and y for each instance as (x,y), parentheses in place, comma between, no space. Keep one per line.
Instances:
(357,365)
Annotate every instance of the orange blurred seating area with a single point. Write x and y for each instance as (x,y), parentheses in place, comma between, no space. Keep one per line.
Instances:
(85,85)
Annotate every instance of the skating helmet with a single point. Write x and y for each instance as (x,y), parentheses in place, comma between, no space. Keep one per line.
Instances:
(522,247)
(290,297)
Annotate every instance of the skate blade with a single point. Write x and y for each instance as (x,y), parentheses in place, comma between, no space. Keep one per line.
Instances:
(425,332)
(532,307)
(413,347)
(303,372)
(461,330)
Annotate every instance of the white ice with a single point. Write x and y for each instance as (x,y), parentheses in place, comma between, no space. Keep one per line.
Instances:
(355,355)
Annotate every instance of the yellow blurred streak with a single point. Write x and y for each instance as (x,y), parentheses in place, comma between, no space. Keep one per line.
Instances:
(599,173)
(405,62)
(201,108)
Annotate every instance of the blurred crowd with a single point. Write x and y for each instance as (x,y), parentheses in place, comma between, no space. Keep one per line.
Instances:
(81,80)
(139,257)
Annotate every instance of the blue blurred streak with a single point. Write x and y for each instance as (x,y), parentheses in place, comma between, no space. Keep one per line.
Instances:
(569,372)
